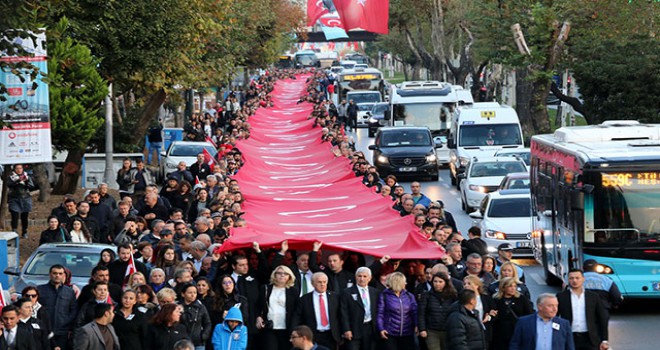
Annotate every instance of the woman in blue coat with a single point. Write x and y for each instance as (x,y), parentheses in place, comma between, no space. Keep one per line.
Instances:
(231,334)
(397,314)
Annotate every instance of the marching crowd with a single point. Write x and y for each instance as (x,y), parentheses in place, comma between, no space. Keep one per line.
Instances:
(166,286)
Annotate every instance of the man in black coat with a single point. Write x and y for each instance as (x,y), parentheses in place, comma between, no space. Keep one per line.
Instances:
(586,313)
(118,267)
(102,213)
(99,273)
(92,224)
(15,335)
(300,269)
(465,330)
(200,170)
(153,210)
(351,114)
(319,310)
(475,244)
(338,278)
(248,287)
(359,308)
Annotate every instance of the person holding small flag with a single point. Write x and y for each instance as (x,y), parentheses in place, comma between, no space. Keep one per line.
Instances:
(125,265)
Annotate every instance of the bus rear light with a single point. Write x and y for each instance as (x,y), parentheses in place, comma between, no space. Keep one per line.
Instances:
(651,251)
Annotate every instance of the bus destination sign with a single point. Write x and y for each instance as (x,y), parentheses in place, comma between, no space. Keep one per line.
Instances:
(360,77)
(649,178)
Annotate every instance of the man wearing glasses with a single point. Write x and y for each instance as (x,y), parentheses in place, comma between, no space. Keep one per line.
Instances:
(302,338)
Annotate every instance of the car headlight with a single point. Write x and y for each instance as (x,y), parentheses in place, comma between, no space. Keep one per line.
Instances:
(431,158)
(604,269)
(495,234)
(478,188)
(382,159)
(464,161)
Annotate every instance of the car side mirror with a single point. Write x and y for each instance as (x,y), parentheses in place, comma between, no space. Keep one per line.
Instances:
(373,147)
(13,271)
(386,115)
(476,215)
(368,113)
(450,143)
(163,154)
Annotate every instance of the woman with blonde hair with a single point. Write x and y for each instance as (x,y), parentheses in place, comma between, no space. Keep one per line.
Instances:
(135,279)
(508,269)
(276,306)
(397,314)
(511,305)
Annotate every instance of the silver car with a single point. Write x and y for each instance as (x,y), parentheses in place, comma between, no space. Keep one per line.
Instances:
(80,258)
(186,151)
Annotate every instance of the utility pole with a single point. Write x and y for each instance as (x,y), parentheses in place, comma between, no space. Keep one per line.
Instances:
(109,151)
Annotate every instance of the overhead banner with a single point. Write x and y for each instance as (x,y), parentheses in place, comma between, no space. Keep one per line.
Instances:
(26,110)
(295,189)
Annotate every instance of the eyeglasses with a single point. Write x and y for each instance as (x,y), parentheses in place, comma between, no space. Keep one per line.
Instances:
(281,273)
(295,336)
(31,295)
(227,283)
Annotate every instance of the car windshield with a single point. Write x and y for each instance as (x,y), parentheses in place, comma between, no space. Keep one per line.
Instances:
(525,156)
(182,150)
(406,138)
(518,184)
(489,135)
(365,107)
(80,263)
(510,208)
(379,109)
(496,168)
(365,98)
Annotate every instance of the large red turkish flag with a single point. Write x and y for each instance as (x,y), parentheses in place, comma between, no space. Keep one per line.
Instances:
(315,10)
(370,15)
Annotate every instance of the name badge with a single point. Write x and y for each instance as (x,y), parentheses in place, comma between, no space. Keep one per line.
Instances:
(130,317)
(355,296)
(349,284)
(236,336)
(35,326)
(555,326)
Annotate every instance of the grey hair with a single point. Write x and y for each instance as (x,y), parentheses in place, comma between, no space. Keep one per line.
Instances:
(198,245)
(156,269)
(203,220)
(316,275)
(363,269)
(541,299)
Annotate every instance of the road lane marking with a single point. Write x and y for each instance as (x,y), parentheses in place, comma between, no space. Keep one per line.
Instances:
(538,279)
(453,192)
(446,185)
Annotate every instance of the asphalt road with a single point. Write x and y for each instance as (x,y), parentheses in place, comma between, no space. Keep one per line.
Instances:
(633,326)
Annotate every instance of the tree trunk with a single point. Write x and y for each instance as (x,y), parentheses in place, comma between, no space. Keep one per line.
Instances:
(41,180)
(538,107)
(68,180)
(3,203)
(523,98)
(416,71)
(147,114)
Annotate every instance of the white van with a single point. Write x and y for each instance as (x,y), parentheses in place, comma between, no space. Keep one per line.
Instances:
(481,130)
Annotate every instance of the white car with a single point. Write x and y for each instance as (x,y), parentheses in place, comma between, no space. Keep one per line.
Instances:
(186,151)
(363,113)
(523,154)
(506,217)
(484,175)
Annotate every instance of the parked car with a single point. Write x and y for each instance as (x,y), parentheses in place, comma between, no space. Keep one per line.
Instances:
(483,176)
(505,216)
(405,150)
(376,117)
(515,181)
(80,258)
(186,151)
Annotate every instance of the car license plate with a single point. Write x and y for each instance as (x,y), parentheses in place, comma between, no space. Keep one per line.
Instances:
(523,244)
(656,286)
(408,169)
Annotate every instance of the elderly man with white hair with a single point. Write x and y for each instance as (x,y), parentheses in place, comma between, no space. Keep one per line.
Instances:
(358,305)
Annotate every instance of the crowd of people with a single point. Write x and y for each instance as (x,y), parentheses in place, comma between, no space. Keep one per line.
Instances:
(166,286)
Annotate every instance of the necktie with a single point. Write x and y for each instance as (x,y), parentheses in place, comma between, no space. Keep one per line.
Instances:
(303,281)
(324,316)
(365,301)
(10,337)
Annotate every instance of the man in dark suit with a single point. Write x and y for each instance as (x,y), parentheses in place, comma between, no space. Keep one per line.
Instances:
(118,267)
(15,335)
(319,310)
(359,308)
(338,278)
(248,287)
(543,328)
(586,313)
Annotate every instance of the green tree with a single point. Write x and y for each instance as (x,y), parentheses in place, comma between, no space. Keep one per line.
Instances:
(76,91)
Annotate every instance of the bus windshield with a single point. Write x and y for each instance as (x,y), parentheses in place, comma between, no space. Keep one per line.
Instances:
(626,213)
(306,60)
(435,116)
(475,135)
(365,97)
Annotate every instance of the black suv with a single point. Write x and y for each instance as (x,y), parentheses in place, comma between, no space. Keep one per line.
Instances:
(405,150)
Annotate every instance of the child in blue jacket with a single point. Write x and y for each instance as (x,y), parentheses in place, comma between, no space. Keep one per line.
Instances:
(231,334)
